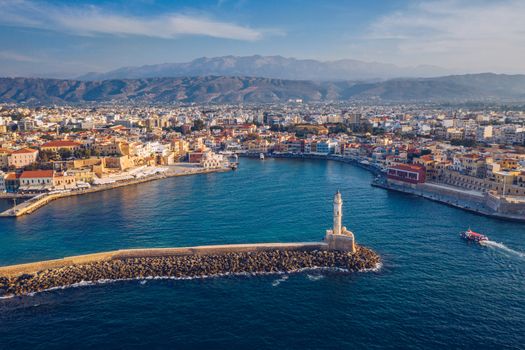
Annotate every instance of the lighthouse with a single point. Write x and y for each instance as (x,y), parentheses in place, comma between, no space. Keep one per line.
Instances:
(339,238)
(338,213)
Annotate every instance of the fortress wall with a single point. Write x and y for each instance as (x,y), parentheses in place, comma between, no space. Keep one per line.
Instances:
(457,194)
(32,268)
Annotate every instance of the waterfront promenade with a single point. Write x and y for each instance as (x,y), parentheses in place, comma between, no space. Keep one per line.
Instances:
(38,201)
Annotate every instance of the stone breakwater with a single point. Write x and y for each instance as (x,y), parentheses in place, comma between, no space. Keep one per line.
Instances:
(188,266)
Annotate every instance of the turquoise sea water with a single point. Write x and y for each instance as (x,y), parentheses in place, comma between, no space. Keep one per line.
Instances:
(434,290)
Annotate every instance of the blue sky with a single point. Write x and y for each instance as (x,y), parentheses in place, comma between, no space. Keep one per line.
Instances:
(68,38)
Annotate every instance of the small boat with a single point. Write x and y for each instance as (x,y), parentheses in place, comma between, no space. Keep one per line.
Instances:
(473,236)
(261,156)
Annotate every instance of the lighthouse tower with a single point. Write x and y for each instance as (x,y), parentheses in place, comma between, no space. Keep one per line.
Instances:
(339,238)
(338,213)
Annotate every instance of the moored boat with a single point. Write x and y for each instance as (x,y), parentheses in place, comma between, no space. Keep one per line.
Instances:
(261,156)
(473,236)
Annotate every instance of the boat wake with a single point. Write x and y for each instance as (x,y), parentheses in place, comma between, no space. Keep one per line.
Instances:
(501,246)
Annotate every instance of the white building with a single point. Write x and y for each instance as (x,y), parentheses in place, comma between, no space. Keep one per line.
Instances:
(212,160)
(484,133)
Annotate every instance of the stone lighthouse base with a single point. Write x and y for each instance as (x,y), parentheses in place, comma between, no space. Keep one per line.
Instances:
(343,242)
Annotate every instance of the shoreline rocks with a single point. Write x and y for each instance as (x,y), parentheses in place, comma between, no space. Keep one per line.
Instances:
(180,266)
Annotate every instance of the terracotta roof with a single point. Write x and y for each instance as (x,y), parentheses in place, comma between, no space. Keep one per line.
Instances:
(61,143)
(409,167)
(25,150)
(427,158)
(12,176)
(471,156)
(5,150)
(36,174)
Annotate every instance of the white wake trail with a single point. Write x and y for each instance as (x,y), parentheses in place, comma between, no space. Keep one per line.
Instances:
(503,247)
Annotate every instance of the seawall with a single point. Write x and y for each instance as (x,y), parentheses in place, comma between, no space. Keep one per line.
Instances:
(30,268)
(188,262)
(464,202)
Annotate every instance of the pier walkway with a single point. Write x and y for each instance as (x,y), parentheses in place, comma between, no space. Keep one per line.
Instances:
(31,268)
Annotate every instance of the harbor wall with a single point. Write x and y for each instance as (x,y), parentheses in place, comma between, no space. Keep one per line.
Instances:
(483,205)
(31,268)
(507,205)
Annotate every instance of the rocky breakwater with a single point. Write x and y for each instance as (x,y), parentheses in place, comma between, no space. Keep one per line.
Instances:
(188,266)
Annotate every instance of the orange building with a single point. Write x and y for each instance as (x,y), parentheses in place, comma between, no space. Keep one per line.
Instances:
(58,145)
(23,157)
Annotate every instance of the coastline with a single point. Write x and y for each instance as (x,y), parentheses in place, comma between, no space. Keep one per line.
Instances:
(467,206)
(462,203)
(181,263)
(37,202)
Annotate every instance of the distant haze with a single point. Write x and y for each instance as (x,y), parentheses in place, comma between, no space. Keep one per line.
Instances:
(271,67)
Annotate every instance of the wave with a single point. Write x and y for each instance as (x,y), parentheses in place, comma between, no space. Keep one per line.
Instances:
(314,277)
(376,268)
(280,280)
(501,246)
(219,275)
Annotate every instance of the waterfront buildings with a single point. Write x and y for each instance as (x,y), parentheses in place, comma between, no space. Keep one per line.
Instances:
(474,150)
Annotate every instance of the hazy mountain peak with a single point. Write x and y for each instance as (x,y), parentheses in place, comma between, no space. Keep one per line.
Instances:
(278,67)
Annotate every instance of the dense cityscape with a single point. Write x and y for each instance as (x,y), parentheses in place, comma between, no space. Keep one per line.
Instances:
(474,159)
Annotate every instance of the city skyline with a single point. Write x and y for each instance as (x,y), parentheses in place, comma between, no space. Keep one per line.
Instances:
(61,39)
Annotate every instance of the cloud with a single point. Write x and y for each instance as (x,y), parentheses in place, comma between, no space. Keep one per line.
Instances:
(93,20)
(482,35)
(17,57)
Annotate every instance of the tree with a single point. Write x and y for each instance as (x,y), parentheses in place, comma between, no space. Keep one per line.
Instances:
(338,128)
(198,125)
(250,137)
(46,156)
(64,153)
(277,128)
(466,143)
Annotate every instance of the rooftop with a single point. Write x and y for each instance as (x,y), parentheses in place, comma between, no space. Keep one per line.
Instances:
(61,143)
(28,174)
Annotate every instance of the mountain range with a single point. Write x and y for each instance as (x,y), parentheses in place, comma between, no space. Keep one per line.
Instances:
(276,67)
(227,89)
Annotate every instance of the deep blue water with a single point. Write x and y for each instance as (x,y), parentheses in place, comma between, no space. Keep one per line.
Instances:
(434,290)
